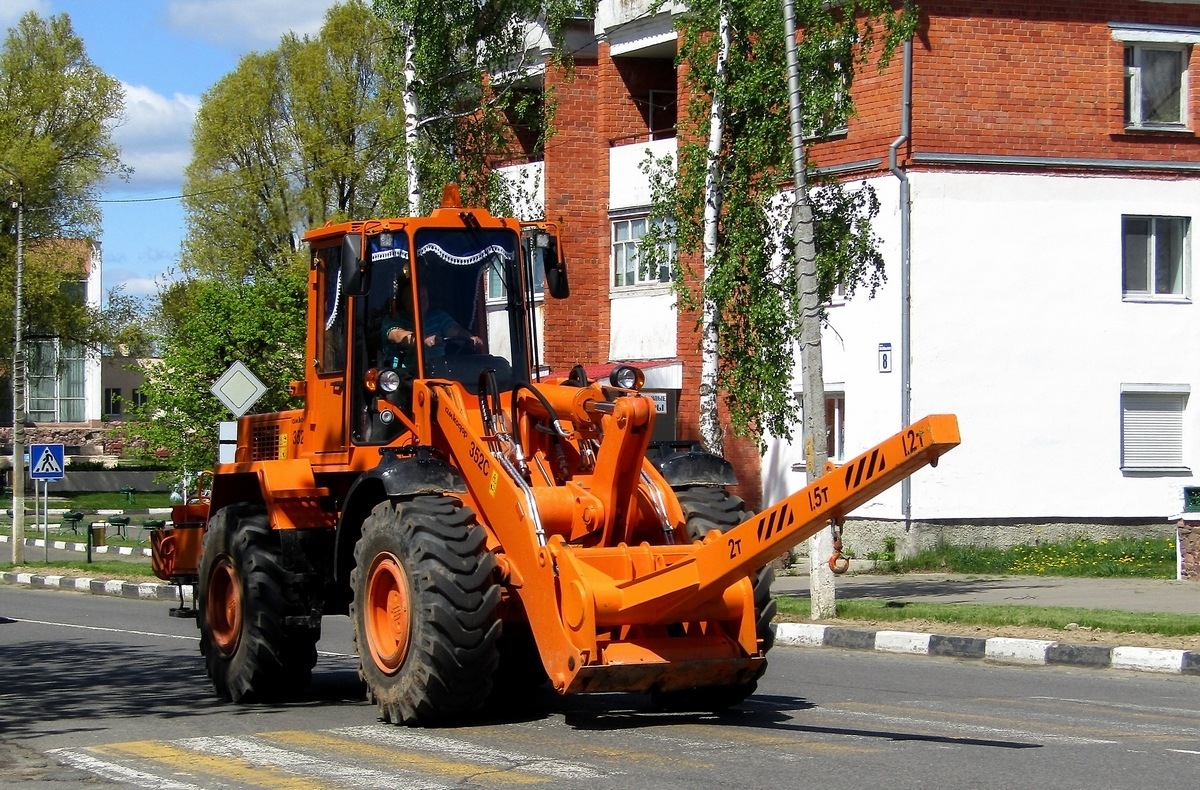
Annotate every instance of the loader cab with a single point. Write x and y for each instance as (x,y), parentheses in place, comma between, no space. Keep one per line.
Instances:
(438,286)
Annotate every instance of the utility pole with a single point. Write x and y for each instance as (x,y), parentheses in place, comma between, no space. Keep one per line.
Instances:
(18,382)
(820,545)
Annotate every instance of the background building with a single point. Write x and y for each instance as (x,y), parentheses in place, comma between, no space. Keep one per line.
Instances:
(1037,222)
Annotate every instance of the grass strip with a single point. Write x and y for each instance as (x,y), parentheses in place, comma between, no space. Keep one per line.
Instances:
(1145,558)
(797,609)
(132,570)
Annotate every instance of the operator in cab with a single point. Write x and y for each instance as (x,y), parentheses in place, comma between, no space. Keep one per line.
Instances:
(439,328)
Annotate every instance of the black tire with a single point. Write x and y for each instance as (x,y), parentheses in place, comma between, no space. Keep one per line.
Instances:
(424,610)
(244,598)
(709,508)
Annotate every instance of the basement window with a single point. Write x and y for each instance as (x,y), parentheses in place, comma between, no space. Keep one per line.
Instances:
(1152,427)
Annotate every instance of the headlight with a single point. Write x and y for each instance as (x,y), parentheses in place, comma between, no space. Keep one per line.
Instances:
(627,377)
(389,380)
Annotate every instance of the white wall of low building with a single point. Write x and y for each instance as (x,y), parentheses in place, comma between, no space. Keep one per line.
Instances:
(92,381)
(1019,328)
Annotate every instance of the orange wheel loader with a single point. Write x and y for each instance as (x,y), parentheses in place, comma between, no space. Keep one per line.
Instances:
(485,531)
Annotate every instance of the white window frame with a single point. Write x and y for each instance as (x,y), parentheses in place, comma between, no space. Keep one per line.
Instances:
(495,296)
(1157,223)
(835,426)
(620,251)
(1152,428)
(1139,39)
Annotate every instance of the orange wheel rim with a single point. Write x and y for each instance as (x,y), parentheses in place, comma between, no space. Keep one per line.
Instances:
(386,618)
(224,605)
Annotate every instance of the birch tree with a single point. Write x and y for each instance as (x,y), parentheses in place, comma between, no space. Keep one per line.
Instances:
(722,196)
(461,67)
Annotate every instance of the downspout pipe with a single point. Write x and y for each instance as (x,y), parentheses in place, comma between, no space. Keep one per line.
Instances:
(905,354)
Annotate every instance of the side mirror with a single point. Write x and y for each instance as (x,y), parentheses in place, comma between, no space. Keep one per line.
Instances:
(546,246)
(352,264)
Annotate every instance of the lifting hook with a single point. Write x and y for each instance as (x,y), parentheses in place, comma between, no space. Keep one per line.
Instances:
(837,563)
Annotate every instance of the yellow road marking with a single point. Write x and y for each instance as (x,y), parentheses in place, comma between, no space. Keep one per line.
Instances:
(405,759)
(225,767)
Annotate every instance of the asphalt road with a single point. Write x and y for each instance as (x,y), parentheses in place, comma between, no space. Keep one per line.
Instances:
(114,688)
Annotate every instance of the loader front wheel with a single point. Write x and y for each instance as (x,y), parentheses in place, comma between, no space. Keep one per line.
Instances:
(424,610)
(709,508)
(243,600)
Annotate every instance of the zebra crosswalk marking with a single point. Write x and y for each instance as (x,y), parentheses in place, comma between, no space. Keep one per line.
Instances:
(343,774)
(406,759)
(118,773)
(235,769)
(464,750)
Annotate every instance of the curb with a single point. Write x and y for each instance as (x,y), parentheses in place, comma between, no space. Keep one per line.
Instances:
(124,551)
(117,588)
(1000,650)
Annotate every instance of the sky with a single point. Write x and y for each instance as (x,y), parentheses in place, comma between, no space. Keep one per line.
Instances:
(166,54)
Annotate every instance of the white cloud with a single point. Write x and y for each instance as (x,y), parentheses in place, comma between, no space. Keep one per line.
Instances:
(136,284)
(155,138)
(12,10)
(242,25)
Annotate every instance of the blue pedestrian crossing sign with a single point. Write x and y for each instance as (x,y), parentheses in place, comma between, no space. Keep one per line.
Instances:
(47,461)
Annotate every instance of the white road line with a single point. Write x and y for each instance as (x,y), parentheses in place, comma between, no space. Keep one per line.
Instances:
(1183,712)
(465,750)
(975,730)
(106,630)
(301,764)
(1183,751)
(118,773)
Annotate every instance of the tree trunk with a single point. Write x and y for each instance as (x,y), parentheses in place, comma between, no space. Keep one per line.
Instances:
(412,118)
(710,422)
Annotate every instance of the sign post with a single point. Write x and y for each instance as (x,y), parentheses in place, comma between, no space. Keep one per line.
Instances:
(46,462)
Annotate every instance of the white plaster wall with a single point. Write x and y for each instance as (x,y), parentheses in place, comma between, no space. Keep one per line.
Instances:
(850,345)
(628,186)
(1019,328)
(527,188)
(642,321)
(1021,320)
(643,325)
(93,386)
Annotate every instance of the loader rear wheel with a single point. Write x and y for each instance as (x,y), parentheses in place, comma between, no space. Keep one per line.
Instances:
(424,610)
(243,599)
(707,508)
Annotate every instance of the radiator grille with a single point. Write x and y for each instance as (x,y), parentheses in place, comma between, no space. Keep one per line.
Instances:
(265,442)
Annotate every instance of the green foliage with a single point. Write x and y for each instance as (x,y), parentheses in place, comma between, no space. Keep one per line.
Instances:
(57,110)
(752,279)
(214,323)
(471,62)
(291,139)
(1151,558)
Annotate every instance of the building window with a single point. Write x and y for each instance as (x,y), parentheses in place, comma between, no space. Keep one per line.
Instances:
(835,426)
(112,401)
(628,266)
(55,386)
(497,291)
(1156,74)
(1155,259)
(1156,86)
(1152,427)
(139,398)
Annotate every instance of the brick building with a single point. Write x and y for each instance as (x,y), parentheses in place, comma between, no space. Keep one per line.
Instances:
(1038,192)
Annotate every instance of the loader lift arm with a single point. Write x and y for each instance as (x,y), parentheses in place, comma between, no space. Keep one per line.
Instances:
(666,594)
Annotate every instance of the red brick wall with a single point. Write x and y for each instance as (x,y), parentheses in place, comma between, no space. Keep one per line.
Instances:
(1189,544)
(1016,78)
(577,196)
